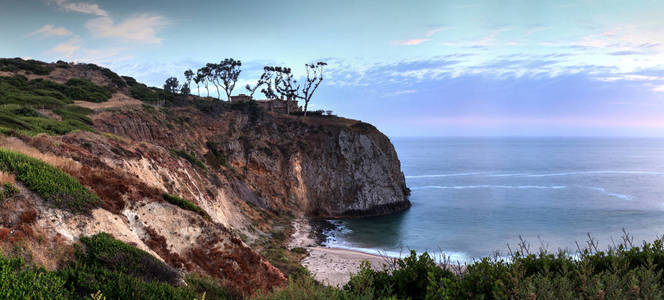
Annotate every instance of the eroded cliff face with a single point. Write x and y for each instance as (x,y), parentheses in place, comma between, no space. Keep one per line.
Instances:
(328,167)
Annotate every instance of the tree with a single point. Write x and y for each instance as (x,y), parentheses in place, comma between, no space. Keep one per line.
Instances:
(213,76)
(185,90)
(171,85)
(228,71)
(189,75)
(287,86)
(265,79)
(202,76)
(269,91)
(197,80)
(314,78)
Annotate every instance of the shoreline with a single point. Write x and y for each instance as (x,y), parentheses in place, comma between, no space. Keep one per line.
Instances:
(331,266)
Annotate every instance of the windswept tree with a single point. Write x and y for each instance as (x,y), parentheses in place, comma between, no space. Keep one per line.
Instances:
(202,76)
(265,79)
(188,75)
(287,86)
(171,85)
(228,71)
(212,75)
(185,90)
(314,78)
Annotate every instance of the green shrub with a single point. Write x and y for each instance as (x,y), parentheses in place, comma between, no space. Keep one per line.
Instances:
(623,272)
(20,282)
(144,93)
(206,285)
(102,266)
(75,113)
(189,157)
(306,288)
(115,78)
(102,250)
(30,66)
(83,89)
(19,97)
(9,190)
(185,204)
(50,183)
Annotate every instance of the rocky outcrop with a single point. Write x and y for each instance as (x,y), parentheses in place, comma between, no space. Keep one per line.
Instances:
(318,166)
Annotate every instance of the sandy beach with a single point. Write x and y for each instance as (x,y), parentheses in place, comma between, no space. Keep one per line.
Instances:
(331,266)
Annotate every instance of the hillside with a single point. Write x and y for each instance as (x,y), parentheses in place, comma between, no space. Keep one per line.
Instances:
(205,187)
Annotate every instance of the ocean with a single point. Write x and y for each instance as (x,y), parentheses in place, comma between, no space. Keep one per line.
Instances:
(472,197)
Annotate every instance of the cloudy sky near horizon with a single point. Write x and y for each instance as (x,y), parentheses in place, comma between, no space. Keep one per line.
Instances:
(412,68)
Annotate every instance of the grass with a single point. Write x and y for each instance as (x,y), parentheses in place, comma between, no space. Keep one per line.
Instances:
(185,204)
(51,184)
(274,248)
(103,266)
(18,281)
(48,94)
(85,90)
(190,157)
(19,98)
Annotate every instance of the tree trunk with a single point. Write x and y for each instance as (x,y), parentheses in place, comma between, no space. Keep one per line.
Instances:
(306,103)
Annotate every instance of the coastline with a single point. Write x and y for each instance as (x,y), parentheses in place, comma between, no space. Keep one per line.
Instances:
(331,266)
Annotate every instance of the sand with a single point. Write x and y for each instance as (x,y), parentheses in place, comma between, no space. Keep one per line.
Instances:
(331,266)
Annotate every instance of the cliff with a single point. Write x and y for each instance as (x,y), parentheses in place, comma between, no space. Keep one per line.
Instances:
(245,168)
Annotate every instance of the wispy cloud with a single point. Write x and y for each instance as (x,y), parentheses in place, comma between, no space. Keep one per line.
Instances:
(140,28)
(416,41)
(409,42)
(50,30)
(81,7)
(68,48)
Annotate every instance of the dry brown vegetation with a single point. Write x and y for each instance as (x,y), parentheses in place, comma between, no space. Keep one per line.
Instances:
(7,178)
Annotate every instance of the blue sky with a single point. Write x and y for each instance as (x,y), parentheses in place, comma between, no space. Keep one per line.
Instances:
(412,68)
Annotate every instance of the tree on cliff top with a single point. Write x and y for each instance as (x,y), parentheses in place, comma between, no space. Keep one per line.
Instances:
(314,78)
(171,85)
(189,75)
(202,76)
(265,79)
(228,71)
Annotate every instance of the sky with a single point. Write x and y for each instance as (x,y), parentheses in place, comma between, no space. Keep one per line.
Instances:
(411,68)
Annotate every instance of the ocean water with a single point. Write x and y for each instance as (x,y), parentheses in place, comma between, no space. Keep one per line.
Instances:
(475,196)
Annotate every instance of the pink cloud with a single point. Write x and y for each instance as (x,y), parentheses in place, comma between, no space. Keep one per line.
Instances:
(412,42)
(409,42)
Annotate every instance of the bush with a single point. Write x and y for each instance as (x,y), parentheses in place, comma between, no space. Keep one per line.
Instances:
(85,90)
(189,157)
(29,66)
(114,77)
(185,204)
(8,190)
(102,250)
(144,93)
(50,183)
(619,273)
(314,113)
(19,97)
(20,282)
(103,266)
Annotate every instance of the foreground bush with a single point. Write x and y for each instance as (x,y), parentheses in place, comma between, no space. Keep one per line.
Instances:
(103,266)
(619,273)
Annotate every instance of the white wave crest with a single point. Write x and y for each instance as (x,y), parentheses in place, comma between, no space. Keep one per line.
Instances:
(489,186)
